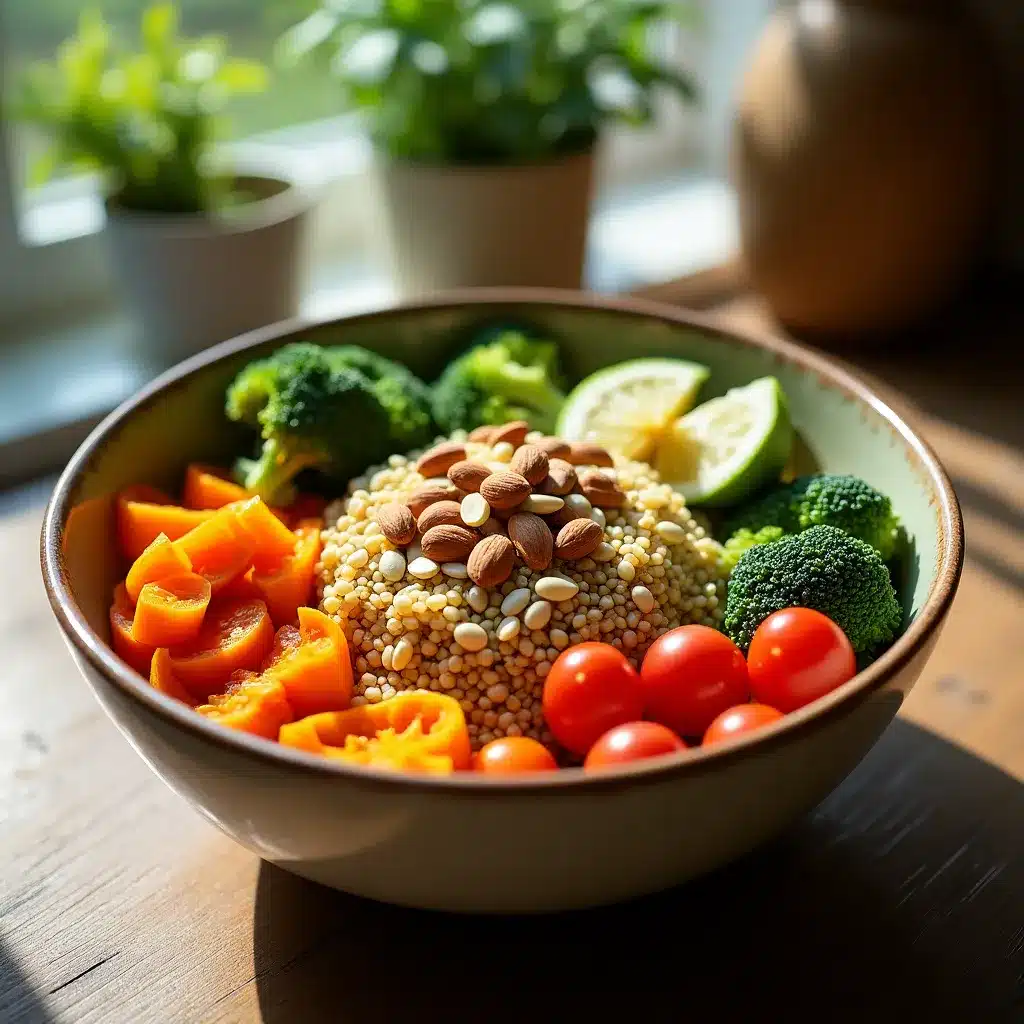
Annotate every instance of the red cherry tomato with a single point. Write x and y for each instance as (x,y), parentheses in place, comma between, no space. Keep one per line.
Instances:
(689,676)
(590,689)
(512,755)
(632,742)
(796,656)
(738,720)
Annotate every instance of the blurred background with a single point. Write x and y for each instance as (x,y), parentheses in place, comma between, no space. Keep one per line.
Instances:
(857,162)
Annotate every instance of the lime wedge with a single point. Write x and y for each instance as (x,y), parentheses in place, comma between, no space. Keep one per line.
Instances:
(724,450)
(627,408)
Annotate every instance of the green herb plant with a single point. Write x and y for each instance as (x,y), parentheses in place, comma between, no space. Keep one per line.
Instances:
(145,119)
(484,82)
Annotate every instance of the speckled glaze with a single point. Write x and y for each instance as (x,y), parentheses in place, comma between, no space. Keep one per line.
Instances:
(484,844)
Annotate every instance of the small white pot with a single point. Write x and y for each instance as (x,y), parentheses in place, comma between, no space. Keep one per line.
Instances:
(458,227)
(194,280)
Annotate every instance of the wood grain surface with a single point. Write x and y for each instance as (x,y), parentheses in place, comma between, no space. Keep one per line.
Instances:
(901,898)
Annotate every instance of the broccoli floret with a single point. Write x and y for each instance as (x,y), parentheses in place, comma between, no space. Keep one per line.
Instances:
(826,499)
(260,380)
(851,505)
(405,398)
(317,410)
(774,507)
(822,568)
(742,540)
(509,378)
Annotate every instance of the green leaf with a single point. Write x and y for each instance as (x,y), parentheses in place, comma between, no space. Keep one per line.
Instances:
(306,37)
(406,12)
(370,57)
(93,32)
(42,167)
(680,83)
(242,76)
(159,26)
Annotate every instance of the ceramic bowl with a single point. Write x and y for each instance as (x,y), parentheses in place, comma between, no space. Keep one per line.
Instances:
(469,843)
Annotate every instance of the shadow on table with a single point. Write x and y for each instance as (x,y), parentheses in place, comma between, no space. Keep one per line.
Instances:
(19,1001)
(900,898)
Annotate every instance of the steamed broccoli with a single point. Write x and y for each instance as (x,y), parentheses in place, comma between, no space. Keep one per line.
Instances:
(826,499)
(822,568)
(743,540)
(253,387)
(405,398)
(317,408)
(509,378)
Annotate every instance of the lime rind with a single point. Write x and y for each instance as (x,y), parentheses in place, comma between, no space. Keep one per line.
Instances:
(738,442)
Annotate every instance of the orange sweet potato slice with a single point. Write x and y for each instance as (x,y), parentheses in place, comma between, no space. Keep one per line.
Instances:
(251,703)
(171,612)
(126,647)
(289,583)
(162,678)
(145,493)
(161,559)
(313,664)
(236,634)
(210,488)
(219,549)
(139,523)
(417,731)
(242,587)
(272,539)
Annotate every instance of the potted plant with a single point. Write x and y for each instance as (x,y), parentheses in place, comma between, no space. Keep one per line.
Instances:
(485,116)
(202,251)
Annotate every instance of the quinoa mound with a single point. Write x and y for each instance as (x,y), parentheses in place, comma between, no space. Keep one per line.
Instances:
(657,569)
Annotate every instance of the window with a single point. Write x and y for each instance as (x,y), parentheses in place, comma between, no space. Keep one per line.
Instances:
(50,255)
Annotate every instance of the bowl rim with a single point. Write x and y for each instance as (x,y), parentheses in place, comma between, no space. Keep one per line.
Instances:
(693,761)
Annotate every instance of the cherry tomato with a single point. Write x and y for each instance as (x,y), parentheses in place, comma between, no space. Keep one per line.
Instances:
(689,676)
(512,755)
(632,742)
(796,656)
(738,720)
(590,689)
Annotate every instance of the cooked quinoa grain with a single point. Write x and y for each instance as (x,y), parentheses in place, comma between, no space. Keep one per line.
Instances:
(416,624)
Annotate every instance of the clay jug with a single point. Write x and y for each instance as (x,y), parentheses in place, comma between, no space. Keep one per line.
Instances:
(863,160)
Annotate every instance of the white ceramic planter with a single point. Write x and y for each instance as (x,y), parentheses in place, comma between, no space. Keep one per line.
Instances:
(195,280)
(459,227)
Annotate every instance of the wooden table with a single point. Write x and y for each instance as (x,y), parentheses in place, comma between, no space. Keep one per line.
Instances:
(900,898)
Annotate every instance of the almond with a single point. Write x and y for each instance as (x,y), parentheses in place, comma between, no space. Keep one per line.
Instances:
(449,543)
(530,462)
(566,514)
(532,539)
(541,504)
(438,460)
(561,478)
(505,489)
(514,433)
(397,523)
(491,561)
(425,496)
(493,528)
(468,475)
(441,513)
(554,447)
(600,490)
(481,435)
(578,539)
(584,453)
